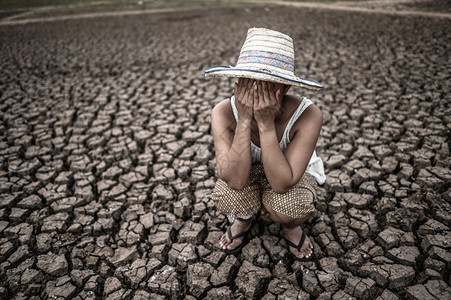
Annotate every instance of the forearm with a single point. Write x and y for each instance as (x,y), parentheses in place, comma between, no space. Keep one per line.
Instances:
(234,167)
(277,169)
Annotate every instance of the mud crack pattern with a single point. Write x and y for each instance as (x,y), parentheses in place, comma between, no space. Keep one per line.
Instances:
(107,160)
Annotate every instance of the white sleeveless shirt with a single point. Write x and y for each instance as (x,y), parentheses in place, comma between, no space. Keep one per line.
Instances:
(315,166)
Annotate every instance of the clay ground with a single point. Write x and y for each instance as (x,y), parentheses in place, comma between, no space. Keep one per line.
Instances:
(107,159)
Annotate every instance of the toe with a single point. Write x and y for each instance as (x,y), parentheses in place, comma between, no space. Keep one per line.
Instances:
(236,243)
(229,247)
(225,243)
(297,253)
(308,248)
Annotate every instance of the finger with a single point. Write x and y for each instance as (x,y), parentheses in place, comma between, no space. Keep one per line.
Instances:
(254,95)
(240,88)
(245,82)
(256,98)
(277,94)
(273,92)
(250,82)
(249,90)
(261,93)
(266,92)
(240,82)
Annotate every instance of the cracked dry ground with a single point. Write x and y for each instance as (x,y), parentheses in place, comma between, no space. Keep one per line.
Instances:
(107,159)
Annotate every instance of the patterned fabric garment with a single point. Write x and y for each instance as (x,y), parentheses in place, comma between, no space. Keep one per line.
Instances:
(264,57)
(246,202)
(296,202)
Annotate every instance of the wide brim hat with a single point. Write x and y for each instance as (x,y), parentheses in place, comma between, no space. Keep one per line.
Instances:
(266,55)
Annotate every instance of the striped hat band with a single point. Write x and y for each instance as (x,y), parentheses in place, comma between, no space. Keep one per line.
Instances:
(265,55)
(266,58)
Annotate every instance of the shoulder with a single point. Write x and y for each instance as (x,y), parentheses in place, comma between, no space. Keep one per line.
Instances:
(312,112)
(310,119)
(223,108)
(222,112)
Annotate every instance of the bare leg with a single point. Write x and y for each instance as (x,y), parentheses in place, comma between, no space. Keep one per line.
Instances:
(292,231)
(238,226)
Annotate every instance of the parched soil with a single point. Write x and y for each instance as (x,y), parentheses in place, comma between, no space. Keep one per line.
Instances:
(107,162)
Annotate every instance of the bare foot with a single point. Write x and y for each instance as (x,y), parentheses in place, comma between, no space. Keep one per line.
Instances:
(294,235)
(238,226)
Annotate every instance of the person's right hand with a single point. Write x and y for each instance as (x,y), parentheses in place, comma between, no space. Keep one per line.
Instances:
(244,98)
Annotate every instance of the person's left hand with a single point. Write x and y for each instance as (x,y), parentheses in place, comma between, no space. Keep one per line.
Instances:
(266,104)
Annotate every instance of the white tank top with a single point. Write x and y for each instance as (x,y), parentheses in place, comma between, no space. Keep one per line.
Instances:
(315,166)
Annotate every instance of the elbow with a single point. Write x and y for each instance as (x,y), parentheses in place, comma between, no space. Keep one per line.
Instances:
(236,185)
(281,189)
(234,181)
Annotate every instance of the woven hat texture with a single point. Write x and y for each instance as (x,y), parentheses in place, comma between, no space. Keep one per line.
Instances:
(265,55)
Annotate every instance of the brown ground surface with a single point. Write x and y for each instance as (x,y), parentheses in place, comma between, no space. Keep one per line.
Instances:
(107,160)
(432,8)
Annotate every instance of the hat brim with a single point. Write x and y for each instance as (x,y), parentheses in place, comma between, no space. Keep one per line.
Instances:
(228,71)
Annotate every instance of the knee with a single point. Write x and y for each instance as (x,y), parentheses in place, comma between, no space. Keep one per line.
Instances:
(288,222)
(284,219)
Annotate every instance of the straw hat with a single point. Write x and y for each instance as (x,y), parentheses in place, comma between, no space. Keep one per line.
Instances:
(266,55)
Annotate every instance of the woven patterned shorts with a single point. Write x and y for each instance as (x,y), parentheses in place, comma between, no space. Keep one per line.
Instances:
(295,203)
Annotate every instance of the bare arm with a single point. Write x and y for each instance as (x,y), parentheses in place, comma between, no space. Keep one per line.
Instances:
(284,169)
(233,149)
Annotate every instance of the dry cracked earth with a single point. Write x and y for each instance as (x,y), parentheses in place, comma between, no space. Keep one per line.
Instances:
(107,160)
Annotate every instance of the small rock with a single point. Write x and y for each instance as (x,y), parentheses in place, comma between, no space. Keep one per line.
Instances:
(198,278)
(111,285)
(123,256)
(361,288)
(251,279)
(182,255)
(65,291)
(53,264)
(165,281)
